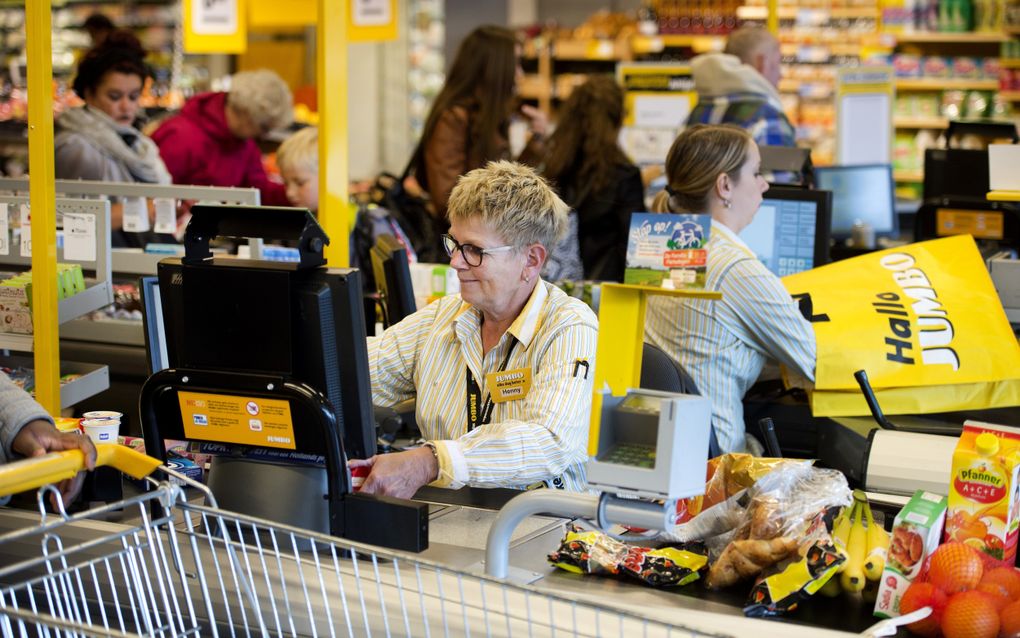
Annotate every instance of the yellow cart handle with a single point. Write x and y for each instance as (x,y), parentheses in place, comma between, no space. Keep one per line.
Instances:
(29,474)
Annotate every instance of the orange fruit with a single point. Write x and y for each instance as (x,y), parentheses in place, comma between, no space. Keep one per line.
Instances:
(970,614)
(920,595)
(1009,621)
(955,567)
(1007,577)
(998,594)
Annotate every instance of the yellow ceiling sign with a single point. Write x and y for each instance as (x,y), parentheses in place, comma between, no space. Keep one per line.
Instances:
(215,26)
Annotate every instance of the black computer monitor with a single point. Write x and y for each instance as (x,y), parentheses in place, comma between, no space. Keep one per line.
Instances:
(790,231)
(393,279)
(862,193)
(274,318)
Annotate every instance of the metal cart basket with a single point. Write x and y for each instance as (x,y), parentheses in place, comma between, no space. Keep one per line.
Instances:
(186,569)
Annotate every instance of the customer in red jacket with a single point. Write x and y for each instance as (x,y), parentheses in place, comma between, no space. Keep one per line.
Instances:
(211,142)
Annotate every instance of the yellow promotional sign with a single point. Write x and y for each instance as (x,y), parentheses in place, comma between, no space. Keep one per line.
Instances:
(371,20)
(920,316)
(225,418)
(215,26)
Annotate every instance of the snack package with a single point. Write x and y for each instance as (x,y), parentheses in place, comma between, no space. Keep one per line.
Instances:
(915,534)
(588,552)
(592,552)
(728,474)
(780,593)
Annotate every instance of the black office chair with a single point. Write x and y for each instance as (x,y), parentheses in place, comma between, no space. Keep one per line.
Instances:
(660,372)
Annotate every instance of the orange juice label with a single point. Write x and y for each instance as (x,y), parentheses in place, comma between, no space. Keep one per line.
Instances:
(984,491)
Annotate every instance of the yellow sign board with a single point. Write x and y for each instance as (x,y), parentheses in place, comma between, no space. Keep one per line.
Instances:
(371,20)
(225,418)
(982,224)
(215,26)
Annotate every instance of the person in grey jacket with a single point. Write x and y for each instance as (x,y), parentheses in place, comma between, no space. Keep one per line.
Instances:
(27,430)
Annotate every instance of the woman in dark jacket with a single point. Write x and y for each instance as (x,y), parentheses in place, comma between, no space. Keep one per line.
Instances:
(594,176)
(467,125)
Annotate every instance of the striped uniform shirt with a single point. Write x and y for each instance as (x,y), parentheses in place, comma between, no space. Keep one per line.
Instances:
(540,437)
(723,344)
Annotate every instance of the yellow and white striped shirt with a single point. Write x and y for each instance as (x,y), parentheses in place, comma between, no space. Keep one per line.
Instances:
(539,437)
(723,344)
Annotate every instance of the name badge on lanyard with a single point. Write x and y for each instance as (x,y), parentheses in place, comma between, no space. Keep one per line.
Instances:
(508,385)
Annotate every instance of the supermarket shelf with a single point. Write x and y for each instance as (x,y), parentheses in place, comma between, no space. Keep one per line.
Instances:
(951,38)
(120,331)
(945,84)
(908,176)
(643,44)
(1004,196)
(94,379)
(1013,30)
(591,49)
(135,262)
(1010,96)
(1009,63)
(921,122)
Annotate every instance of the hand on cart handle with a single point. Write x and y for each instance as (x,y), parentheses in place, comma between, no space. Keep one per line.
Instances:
(57,467)
(40,437)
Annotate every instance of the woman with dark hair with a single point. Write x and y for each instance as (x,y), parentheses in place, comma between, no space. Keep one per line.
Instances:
(594,176)
(467,125)
(98,141)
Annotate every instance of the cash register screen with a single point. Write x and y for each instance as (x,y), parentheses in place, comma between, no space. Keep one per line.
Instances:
(790,231)
(859,193)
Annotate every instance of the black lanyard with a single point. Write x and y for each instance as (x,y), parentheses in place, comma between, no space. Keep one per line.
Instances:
(478,417)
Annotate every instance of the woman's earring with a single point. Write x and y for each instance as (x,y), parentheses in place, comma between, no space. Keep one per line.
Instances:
(527,279)
(727,203)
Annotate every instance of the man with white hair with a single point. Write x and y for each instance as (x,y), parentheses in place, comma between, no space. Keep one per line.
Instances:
(211,142)
(739,86)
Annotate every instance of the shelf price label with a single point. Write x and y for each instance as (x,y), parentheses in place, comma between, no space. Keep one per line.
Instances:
(166,215)
(26,231)
(5,231)
(136,215)
(79,237)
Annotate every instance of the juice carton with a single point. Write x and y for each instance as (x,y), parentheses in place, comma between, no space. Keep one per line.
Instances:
(984,491)
(916,532)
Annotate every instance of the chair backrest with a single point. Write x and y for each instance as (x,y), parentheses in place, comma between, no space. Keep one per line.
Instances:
(660,372)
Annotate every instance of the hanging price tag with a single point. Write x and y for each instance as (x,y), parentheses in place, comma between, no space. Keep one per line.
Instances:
(26,231)
(5,231)
(166,215)
(136,215)
(79,237)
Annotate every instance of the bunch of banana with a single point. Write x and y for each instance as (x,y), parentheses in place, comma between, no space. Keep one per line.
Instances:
(856,534)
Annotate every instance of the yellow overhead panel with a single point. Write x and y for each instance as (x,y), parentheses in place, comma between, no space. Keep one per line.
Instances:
(215,27)
(333,169)
(773,20)
(273,13)
(43,205)
(371,20)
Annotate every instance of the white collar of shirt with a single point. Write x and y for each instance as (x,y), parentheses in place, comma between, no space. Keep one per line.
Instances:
(524,326)
(725,232)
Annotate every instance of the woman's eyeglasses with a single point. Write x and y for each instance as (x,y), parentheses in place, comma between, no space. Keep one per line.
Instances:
(472,254)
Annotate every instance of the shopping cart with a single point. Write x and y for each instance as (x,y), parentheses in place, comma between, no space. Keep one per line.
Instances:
(181,568)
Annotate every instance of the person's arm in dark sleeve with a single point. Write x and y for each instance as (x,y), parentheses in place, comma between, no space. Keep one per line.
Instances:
(446,157)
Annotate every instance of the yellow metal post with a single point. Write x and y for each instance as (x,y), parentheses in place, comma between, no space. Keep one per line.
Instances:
(43,204)
(332,97)
(773,17)
(621,339)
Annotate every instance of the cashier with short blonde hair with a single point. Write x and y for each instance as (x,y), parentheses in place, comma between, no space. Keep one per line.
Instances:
(502,373)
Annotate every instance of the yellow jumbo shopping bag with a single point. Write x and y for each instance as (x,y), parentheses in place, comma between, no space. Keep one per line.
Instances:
(924,315)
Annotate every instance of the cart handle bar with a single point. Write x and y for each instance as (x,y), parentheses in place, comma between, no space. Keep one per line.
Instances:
(29,474)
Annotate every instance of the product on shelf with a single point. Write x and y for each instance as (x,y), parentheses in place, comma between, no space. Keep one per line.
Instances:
(16,296)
